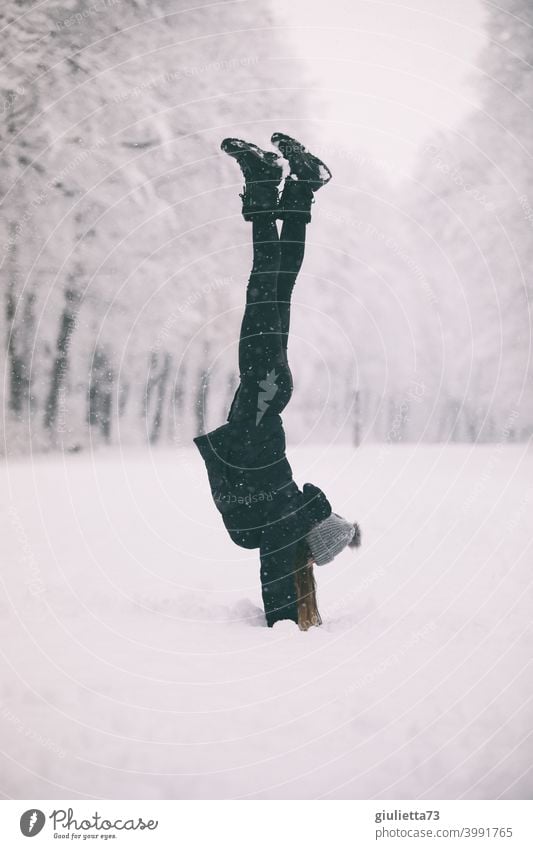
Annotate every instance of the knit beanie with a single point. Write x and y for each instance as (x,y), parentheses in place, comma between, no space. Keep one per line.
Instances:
(329,537)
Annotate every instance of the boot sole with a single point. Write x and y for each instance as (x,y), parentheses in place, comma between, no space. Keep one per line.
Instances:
(305,165)
(266,163)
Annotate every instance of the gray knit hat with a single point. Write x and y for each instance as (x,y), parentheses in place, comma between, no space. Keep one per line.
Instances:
(329,537)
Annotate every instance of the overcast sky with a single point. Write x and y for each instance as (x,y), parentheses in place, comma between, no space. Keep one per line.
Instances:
(390,72)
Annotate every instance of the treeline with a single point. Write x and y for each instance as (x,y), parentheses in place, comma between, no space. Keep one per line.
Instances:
(124,258)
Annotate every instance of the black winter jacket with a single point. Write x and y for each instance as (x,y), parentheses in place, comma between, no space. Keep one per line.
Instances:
(253,488)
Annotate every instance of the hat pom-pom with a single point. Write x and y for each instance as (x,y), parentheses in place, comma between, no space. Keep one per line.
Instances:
(356,539)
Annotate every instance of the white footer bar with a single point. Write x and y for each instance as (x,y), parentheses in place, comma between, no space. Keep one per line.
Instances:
(268,824)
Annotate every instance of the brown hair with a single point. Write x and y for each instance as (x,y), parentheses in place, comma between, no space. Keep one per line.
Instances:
(305,588)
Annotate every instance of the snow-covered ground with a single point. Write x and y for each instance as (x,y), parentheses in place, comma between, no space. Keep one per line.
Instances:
(135,662)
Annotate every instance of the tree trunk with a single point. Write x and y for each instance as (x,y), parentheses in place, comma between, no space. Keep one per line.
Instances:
(202,393)
(18,345)
(155,389)
(100,399)
(357,418)
(61,361)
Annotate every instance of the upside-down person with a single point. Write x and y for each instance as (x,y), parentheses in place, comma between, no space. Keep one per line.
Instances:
(249,475)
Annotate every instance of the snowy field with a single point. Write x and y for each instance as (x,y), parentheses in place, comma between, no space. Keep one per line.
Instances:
(135,662)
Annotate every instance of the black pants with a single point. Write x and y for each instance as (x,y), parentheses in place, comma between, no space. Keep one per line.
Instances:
(265,377)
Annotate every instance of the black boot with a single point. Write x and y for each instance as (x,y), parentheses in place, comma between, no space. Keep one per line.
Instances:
(262,173)
(295,201)
(303,164)
(259,199)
